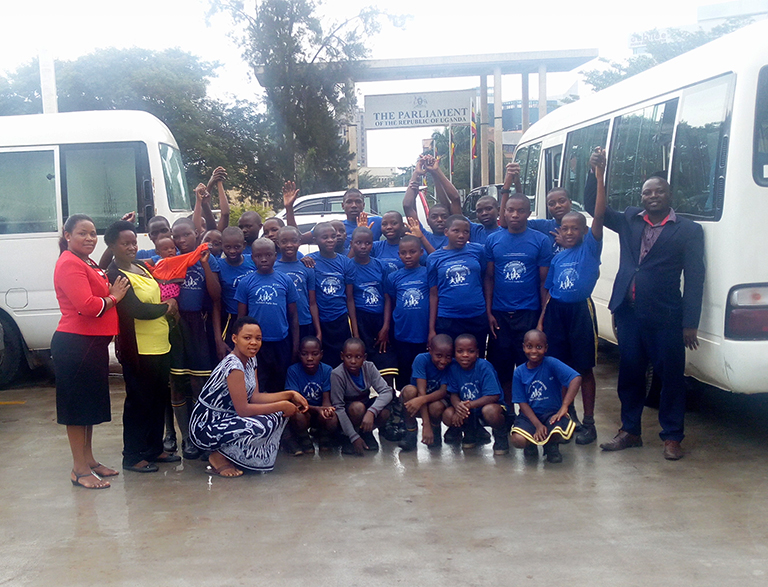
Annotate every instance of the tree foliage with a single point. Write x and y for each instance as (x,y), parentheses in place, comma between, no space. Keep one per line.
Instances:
(678,41)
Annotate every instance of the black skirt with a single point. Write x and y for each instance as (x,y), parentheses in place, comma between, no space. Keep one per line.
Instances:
(81,364)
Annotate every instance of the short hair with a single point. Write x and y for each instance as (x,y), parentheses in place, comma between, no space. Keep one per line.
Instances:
(362,230)
(242,321)
(321,226)
(310,339)
(158,218)
(582,220)
(535,332)
(436,206)
(335,222)
(486,199)
(279,221)
(165,237)
(207,232)
(410,239)
(395,212)
(466,336)
(186,221)
(557,190)
(658,175)
(233,231)
(351,192)
(113,232)
(264,241)
(455,218)
(249,213)
(520,197)
(288,229)
(351,341)
(440,339)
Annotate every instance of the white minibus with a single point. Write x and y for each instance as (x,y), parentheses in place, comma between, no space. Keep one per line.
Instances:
(701,119)
(103,164)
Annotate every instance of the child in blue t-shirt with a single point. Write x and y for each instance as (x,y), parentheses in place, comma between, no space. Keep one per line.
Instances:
(270,297)
(436,217)
(353,205)
(408,289)
(312,379)
(232,268)
(537,390)
(289,239)
(388,250)
(568,316)
(476,397)
(426,393)
(455,273)
(334,278)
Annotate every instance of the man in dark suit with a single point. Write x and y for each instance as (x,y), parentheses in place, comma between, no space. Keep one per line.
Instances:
(653,320)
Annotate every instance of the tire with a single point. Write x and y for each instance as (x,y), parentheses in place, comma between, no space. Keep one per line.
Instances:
(12,354)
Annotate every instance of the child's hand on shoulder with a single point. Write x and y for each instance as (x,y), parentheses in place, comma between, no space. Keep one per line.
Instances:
(308,261)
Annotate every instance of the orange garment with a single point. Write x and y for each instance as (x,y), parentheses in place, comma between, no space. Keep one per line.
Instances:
(175,267)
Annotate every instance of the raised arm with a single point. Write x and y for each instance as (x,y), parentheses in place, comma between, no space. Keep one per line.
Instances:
(598,213)
(512,178)
(218,178)
(409,200)
(290,193)
(445,191)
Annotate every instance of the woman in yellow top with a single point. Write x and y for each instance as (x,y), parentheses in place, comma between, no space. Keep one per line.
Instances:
(144,352)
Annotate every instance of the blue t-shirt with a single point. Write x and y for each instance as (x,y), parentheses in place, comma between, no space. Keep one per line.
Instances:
(230,276)
(458,276)
(409,290)
(368,284)
(574,271)
(541,388)
(474,383)
(267,297)
(145,254)
(331,279)
(304,279)
(351,226)
(424,368)
(390,255)
(545,226)
(312,387)
(479,234)
(437,241)
(299,255)
(193,296)
(516,259)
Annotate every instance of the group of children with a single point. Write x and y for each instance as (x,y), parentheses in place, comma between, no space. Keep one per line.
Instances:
(385,304)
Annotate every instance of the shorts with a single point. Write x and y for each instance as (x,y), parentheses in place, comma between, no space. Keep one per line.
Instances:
(406,353)
(368,327)
(524,427)
(273,359)
(191,347)
(335,334)
(228,329)
(571,331)
(476,326)
(506,350)
(306,330)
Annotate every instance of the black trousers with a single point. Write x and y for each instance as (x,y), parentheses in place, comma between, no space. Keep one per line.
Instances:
(147,391)
(665,349)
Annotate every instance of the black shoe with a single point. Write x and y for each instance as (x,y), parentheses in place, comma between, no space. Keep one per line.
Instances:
(148,468)
(482,435)
(552,450)
(410,441)
(324,443)
(469,440)
(438,436)
(167,459)
(587,435)
(347,448)
(370,441)
(500,441)
(189,451)
(452,435)
(292,447)
(531,451)
(169,444)
(306,444)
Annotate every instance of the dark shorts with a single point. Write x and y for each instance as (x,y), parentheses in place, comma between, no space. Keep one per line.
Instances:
(306,330)
(368,327)
(506,350)
(190,346)
(523,426)
(572,333)
(406,353)
(476,326)
(335,334)
(228,328)
(273,360)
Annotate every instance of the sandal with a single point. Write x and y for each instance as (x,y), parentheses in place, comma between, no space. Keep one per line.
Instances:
(112,472)
(76,481)
(219,472)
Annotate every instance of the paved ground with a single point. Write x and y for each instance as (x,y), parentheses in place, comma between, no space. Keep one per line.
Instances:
(452,518)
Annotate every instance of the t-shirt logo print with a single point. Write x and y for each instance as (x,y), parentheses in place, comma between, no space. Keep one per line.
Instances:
(265,294)
(567,279)
(313,391)
(469,391)
(331,285)
(457,274)
(514,271)
(411,298)
(537,391)
(371,296)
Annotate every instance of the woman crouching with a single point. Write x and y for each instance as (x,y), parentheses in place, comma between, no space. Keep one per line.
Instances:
(231,418)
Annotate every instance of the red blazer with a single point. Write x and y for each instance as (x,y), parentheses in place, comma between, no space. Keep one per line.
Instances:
(80,290)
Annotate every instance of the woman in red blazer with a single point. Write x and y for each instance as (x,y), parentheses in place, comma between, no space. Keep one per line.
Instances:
(80,346)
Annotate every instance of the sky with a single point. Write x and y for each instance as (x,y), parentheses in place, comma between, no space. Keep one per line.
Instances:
(71,28)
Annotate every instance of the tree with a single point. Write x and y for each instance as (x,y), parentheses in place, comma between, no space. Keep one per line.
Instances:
(306,67)
(679,41)
(171,85)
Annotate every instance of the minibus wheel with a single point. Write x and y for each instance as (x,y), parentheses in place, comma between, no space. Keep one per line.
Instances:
(11,353)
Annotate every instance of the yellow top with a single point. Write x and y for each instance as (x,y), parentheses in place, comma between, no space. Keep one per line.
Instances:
(151,335)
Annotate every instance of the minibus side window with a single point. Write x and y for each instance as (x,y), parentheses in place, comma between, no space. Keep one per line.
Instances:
(578,148)
(760,155)
(28,193)
(531,176)
(641,142)
(175,183)
(701,149)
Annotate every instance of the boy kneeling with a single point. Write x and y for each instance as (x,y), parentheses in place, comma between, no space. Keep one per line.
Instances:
(537,390)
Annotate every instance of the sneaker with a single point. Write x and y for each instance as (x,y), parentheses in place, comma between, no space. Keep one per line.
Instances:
(189,451)
(291,446)
(452,435)
(482,435)
(437,433)
(169,444)
(324,443)
(347,448)
(469,439)
(587,435)
(370,441)
(552,450)
(410,441)
(531,451)
(306,444)
(500,441)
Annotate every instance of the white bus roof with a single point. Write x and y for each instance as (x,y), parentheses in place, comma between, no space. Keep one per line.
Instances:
(95,126)
(747,47)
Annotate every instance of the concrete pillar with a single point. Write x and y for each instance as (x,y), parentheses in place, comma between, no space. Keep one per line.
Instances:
(482,147)
(542,90)
(48,83)
(352,140)
(498,140)
(526,100)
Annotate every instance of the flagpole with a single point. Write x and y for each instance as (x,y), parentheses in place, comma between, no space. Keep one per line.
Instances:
(471,158)
(450,151)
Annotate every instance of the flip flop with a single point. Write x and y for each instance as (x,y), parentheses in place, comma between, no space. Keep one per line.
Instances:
(218,472)
(113,474)
(76,481)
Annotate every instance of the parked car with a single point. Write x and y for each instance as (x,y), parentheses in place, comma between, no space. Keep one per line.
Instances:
(493,190)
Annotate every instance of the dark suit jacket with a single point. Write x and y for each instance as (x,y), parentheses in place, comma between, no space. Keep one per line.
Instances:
(678,250)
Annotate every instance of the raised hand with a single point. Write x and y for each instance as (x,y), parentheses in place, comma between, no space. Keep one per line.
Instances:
(414,227)
(290,193)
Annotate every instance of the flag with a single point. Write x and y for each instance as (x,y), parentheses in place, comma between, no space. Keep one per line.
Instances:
(473,129)
(453,148)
